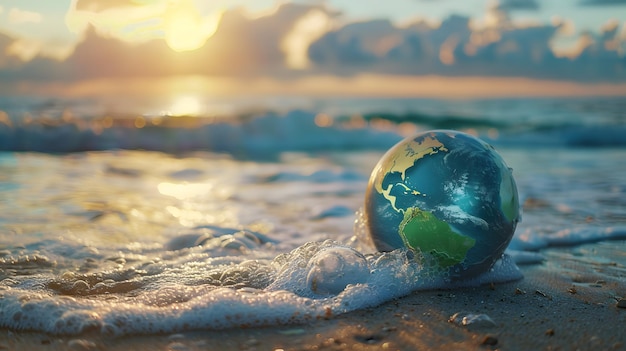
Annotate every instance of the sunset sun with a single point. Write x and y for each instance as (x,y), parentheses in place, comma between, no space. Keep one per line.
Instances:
(185,106)
(185,28)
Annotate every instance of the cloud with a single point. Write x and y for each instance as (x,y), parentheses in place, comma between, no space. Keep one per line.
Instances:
(306,30)
(603,2)
(21,16)
(305,40)
(13,70)
(120,19)
(456,48)
(6,61)
(355,44)
(99,5)
(519,5)
(511,4)
(241,46)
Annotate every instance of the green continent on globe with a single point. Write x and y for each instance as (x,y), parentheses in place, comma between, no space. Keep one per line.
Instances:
(421,230)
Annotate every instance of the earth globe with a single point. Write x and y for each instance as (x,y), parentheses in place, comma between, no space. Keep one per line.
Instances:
(447,196)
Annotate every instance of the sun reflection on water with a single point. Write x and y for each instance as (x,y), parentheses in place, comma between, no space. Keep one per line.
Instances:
(183,191)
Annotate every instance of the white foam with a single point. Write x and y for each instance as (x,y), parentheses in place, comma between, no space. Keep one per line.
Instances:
(316,280)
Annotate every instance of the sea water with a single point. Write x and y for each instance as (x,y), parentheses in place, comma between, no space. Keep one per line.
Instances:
(125,223)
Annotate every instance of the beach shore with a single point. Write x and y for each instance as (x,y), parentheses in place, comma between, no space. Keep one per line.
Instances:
(571,301)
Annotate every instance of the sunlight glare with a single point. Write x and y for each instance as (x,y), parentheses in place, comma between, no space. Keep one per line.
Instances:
(183,191)
(185,28)
(185,106)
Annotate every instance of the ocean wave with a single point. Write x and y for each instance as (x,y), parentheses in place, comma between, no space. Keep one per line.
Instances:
(271,133)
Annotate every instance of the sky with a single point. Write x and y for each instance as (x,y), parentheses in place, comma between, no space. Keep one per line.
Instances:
(399,48)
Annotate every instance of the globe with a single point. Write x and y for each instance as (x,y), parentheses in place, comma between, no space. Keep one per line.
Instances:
(447,196)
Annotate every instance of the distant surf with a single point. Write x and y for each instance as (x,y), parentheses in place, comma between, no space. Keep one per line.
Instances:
(260,134)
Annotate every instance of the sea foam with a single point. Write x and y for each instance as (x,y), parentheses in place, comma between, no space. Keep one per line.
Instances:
(188,290)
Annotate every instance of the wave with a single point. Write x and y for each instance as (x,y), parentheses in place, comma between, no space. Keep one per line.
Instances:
(271,133)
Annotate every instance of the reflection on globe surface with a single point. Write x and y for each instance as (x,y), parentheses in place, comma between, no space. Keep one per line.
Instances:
(447,196)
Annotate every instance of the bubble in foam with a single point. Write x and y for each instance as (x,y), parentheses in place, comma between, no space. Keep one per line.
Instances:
(334,268)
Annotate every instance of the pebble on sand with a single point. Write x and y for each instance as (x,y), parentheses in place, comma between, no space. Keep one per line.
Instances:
(489,340)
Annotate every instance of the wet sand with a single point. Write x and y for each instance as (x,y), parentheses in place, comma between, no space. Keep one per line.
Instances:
(572,301)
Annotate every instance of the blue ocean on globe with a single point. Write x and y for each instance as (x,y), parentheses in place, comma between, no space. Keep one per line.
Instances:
(447,196)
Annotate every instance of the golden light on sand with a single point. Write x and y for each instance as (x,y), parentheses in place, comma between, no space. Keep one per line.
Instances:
(185,28)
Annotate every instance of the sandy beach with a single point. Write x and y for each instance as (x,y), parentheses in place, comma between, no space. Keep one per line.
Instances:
(571,301)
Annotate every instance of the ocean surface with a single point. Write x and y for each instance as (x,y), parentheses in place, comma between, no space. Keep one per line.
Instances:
(133,220)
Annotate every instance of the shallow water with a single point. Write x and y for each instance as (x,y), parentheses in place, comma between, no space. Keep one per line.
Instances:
(129,242)
(266,228)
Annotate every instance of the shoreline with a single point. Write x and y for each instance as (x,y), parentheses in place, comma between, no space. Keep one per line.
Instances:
(568,301)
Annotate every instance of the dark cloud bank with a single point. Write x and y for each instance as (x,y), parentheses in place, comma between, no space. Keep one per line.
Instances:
(246,47)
